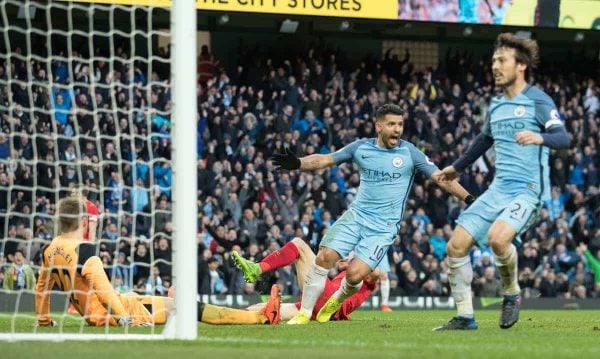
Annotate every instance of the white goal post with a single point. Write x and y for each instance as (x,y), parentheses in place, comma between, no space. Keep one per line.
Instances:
(183,35)
(30,29)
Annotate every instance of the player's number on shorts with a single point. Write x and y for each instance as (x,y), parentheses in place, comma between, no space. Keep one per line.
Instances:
(378,253)
(517,211)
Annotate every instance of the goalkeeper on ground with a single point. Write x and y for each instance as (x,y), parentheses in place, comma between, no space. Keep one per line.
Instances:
(72,265)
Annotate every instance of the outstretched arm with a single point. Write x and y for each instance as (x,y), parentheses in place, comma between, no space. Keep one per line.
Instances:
(289,161)
(479,146)
(452,187)
(316,162)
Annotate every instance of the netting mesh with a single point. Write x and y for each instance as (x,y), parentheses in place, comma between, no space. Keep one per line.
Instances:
(84,103)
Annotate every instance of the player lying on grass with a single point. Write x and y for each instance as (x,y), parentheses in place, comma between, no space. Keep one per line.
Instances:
(272,312)
(71,264)
(299,253)
(262,313)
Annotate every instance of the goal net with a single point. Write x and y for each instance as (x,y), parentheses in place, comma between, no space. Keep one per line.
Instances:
(90,103)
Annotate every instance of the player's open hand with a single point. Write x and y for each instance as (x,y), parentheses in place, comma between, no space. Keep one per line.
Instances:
(286,160)
(529,138)
(447,174)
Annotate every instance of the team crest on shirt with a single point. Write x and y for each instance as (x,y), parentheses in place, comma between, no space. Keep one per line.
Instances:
(554,115)
(519,111)
(397,162)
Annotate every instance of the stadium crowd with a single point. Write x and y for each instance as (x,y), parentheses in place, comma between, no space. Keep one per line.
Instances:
(108,128)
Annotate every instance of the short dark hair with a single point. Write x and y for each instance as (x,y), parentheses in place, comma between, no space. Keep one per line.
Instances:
(526,50)
(70,211)
(388,109)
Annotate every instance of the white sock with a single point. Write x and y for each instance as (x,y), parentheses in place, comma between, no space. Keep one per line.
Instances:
(313,287)
(345,290)
(508,269)
(384,287)
(460,276)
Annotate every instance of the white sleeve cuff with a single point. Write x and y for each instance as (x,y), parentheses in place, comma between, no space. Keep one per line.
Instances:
(552,123)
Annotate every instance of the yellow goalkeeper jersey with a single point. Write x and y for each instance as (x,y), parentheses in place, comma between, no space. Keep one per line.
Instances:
(73,267)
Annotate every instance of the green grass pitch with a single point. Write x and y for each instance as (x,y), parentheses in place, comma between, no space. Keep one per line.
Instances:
(371,334)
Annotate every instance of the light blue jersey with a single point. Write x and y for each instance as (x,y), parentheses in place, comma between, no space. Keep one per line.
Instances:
(520,167)
(522,175)
(371,223)
(386,177)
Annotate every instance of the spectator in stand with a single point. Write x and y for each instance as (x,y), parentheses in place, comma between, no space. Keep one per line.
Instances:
(125,271)
(311,100)
(18,275)
(488,285)
(308,125)
(207,65)
(217,281)
(154,283)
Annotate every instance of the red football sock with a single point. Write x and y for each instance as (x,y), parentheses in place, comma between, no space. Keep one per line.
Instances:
(280,258)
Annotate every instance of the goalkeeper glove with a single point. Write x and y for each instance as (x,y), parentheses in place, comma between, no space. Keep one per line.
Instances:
(125,322)
(286,160)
